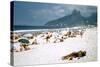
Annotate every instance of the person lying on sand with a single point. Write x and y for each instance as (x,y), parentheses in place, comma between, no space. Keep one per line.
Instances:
(72,55)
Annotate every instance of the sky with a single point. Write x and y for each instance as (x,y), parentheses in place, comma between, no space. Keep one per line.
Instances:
(38,14)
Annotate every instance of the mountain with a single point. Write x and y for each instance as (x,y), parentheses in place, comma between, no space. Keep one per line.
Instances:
(75,19)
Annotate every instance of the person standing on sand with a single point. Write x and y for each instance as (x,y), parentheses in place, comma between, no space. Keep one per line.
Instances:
(81,33)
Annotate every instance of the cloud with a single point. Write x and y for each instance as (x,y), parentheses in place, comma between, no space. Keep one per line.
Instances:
(84,10)
(37,13)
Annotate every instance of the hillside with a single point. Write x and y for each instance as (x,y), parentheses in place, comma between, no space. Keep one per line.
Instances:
(75,19)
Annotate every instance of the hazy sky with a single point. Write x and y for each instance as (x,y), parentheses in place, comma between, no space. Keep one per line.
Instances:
(32,13)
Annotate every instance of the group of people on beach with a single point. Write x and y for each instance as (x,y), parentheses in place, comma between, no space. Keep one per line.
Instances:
(18,44)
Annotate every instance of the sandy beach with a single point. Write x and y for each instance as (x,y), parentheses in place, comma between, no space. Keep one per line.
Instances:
(50,53)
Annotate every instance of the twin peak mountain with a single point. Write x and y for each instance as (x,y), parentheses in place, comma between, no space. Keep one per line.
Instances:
(74,19)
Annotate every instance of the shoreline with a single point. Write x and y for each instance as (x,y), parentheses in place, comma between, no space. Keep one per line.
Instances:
(35,30)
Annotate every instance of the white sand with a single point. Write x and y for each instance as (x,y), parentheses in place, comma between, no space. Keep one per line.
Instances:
(53,53)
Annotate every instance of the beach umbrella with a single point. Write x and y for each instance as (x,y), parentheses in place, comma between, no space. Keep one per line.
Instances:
(27,35)
(25,41)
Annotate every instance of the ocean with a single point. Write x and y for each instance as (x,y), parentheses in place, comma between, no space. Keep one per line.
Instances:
(18,27)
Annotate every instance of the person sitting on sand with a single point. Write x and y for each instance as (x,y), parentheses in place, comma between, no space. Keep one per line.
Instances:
(25,47)
(61,38)
(33,41)
(47,36)
(14,37)
(69,33)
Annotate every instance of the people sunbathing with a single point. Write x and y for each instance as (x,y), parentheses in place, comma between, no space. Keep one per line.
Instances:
(46,37)
(72,55)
